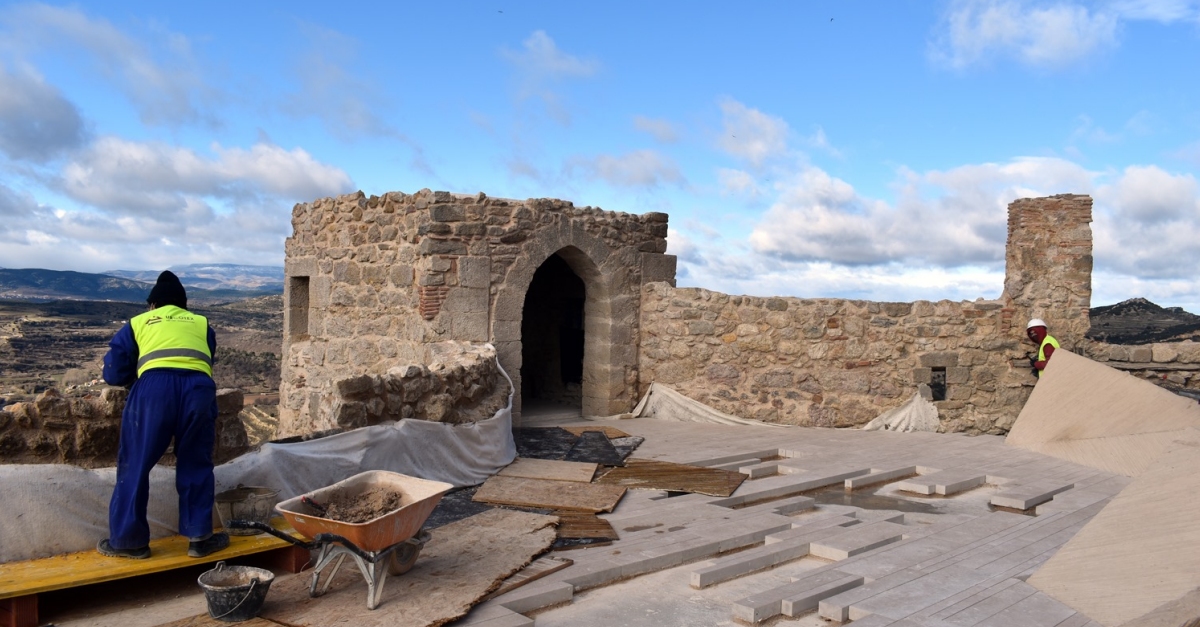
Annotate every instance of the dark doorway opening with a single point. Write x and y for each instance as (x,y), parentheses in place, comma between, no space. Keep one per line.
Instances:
(552,337)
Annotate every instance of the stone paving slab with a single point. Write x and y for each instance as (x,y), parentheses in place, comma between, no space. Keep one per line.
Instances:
(943,564)
(859,539)
(945,483)
(805,593)
(879,476)
(1026,496)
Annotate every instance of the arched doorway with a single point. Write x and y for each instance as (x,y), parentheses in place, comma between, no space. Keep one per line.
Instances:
(552,340)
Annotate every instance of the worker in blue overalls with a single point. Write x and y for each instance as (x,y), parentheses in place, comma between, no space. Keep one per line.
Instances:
(166,354)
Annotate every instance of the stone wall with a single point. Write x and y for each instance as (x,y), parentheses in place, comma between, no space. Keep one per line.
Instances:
(462,384)
(836,363)
(373,280)
(85,430)
(1173,365)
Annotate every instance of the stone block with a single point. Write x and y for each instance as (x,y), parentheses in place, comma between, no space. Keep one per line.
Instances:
(470,327)
(882,476)
(447,213)
(1164,353)
(430,246)
(859,539)
(939,360)
(806,592)
(658,267)
(922,375)
(300,266)
(475,272)
(958,374)
(1026,496)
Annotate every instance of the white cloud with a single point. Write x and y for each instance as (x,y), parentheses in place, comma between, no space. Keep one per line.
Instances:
(640,168)
(541,66)
(164,84)
(121,175)
(1151,224)
(36,122)
(1036,35)
(660,129)
(1165,11)
(737,183)
(751,134)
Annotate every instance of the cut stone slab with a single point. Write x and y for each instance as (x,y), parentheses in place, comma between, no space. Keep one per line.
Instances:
(594,447)
(945,483)
(1028,495)
(800,596)
(460,564)
(544,494)
(773,553)
(858,539)
(1088,413)
(1142,550)
(880,476)
(555,470)
(656,475)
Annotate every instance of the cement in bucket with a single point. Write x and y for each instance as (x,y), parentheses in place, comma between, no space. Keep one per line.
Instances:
(245,503)
(235,593)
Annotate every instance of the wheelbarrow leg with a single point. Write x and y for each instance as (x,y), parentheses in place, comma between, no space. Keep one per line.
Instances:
(375,574)
(327,555)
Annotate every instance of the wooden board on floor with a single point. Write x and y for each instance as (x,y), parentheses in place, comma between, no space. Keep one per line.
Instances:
(551,469)
(656,475)
(544,494)
(88,567)
(577,525)
(610,432)
(540,567)
(462,562)
(205,621)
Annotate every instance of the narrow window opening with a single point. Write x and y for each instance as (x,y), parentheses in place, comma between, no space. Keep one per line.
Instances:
(298,307)
(938,384)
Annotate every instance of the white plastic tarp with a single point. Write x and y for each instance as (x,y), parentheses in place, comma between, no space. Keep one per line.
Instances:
(663,403)
(49,509)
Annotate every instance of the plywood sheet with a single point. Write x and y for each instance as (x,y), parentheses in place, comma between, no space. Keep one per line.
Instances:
(609,432)
(205,621)
(658,475)
(540,567)
(576,525)
(540,493)
(1090,414)
(1142,550)
(551,469)
(462,563)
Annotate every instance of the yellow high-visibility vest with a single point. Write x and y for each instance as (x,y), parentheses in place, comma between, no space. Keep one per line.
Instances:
(1042,349)
(170,337)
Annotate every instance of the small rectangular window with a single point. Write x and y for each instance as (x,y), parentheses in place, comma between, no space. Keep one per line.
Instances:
(297,307)
(938,384)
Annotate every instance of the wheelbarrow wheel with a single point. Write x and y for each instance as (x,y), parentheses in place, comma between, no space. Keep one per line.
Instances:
(403,559)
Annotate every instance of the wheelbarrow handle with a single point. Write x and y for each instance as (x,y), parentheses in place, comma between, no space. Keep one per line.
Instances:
(265,528)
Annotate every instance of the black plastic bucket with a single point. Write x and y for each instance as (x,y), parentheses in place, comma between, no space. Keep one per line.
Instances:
(235,593)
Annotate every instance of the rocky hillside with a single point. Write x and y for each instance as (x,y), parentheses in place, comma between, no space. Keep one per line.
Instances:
(1139,321)
(39,284)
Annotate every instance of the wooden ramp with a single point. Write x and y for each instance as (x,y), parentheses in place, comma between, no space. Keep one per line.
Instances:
(1142,550)
(1085,412)
(21,582)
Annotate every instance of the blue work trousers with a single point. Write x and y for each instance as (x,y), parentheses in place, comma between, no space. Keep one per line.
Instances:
(165,403)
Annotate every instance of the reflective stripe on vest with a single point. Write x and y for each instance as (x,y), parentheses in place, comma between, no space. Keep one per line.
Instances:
(170,337)
(1042,349)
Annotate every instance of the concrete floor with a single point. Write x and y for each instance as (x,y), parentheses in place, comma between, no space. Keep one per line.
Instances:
(959,561)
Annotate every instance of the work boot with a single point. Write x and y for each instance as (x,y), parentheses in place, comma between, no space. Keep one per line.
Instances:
(107,549)
(211,544)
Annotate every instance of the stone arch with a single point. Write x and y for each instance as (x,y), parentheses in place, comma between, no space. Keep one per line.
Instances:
(587,257)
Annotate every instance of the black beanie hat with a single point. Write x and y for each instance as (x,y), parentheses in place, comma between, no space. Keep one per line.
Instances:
(168,291)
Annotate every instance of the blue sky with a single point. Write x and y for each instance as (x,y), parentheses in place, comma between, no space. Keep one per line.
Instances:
(852,149)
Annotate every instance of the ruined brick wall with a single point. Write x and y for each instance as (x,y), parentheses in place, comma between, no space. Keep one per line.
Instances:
(460,384)
(832,362)
(373,280)
(85,430)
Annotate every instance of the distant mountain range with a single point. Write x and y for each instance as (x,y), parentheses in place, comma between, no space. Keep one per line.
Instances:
(1139,321)
(205,283)
(215,276)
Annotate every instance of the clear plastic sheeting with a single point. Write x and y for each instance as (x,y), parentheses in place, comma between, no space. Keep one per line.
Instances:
(51,509)
(663,403)
(916,414)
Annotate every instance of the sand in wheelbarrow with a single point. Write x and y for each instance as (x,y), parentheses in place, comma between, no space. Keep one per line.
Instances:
(364,506)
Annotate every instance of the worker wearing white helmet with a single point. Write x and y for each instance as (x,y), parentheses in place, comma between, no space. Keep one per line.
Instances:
(1036,330)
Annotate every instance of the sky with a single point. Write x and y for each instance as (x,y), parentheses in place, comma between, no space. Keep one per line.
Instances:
(816,149)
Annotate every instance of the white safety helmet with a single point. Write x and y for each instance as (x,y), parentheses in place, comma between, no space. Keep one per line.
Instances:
(1036,322)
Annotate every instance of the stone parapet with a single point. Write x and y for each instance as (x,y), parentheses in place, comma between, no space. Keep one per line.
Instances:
(1173,365)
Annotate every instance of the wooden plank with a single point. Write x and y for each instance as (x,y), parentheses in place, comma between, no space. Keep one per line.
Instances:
(88,567)
(462,562)
(609,432)
(657,475)
(577,525)
(540,567)
(551,469)
(544,494)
